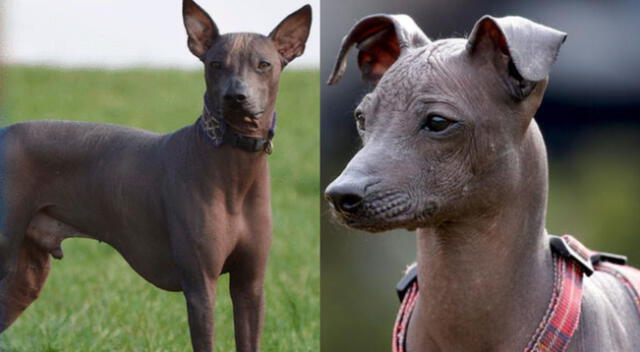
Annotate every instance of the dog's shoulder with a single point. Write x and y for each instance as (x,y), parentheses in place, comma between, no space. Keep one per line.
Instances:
(610,316)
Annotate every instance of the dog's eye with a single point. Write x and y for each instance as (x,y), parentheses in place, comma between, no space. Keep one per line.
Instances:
(436,123)
(216,65)
(263,65)
(359,117)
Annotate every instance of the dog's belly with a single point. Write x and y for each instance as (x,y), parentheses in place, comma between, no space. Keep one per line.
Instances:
(154,262)
(148,253)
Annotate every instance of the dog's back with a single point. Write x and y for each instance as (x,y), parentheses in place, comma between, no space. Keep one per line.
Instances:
(54,166)
(42,158)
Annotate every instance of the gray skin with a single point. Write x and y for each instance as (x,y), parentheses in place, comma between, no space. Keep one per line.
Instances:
(180,211)
(450,148)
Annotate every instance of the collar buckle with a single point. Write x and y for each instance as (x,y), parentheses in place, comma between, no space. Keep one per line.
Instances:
(563,248)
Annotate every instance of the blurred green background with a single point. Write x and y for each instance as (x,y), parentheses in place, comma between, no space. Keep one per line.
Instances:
(590,118)
(92,300)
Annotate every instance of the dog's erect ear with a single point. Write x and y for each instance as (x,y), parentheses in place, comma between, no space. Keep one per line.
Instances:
(528,49)
(200,28)
(380,39)
(291,34)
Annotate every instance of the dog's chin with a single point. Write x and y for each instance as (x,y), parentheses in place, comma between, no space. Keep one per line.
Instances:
(253,115)
(377,224)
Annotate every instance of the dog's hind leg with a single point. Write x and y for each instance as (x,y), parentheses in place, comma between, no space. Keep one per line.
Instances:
(26,240)
(21,261)
(24,266)
(26,273)
(22,284)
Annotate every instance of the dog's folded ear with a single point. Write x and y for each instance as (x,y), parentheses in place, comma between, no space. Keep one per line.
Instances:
(380,39)
(527,49)
(200,28)
(291,34)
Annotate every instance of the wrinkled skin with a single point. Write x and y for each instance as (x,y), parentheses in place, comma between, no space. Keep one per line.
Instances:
(430,178)
(162,201)
(476,191)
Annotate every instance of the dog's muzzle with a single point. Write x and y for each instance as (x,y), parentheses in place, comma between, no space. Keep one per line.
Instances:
(359,206)
(345,197)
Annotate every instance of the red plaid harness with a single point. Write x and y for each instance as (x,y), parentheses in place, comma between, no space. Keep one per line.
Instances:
(571,261)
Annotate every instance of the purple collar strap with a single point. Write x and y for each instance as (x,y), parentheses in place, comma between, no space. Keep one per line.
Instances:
(215,129)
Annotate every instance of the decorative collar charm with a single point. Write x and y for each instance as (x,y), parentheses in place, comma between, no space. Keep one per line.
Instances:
(212,126)
(215,129)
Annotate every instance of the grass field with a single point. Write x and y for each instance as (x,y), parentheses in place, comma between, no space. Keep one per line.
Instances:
(93,301)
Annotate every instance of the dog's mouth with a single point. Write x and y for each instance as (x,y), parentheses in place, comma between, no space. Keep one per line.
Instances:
(385,213)
(243,114)
(247,110)
(255,115)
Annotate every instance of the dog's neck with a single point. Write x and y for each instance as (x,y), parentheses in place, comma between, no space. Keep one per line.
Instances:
(240,170)
(491,276)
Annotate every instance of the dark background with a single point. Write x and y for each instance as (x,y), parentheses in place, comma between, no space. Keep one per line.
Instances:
(590,119)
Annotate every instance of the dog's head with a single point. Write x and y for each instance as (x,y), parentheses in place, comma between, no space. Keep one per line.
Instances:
(242,70)
(445,129)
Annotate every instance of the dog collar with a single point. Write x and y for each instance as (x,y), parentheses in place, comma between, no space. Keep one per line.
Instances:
(215,129)
(571,262)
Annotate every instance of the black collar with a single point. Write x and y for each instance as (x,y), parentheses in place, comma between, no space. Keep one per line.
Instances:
(215,129)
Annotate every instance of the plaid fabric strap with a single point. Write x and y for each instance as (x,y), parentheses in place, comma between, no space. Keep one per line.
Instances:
(614,265)
(563,314)
(408,291)
(629,276)
(561,318)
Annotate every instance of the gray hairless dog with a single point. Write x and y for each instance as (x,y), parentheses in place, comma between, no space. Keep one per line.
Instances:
(182,208)
(450,148)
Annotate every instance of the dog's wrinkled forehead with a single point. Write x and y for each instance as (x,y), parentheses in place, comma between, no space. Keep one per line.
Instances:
(430,69)
(233,47)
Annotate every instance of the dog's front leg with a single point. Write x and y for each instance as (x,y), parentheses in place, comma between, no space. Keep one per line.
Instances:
(247,294)
(199,274)
(200,294)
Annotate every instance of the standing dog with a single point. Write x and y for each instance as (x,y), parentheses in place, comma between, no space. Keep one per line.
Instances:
(451,149)
(181,208)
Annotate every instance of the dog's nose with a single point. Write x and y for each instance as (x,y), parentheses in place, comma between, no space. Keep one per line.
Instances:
(345,197)
(236,92)
(236,97)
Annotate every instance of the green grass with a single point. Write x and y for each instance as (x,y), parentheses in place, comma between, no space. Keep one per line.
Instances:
(92,300)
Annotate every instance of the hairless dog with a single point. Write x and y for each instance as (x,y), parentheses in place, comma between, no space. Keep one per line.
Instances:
(450,148)
(182,208)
